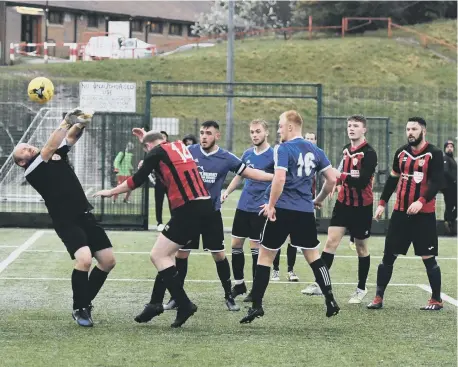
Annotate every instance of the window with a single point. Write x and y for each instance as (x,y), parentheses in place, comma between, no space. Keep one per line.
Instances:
(55,17)
(137,25)
(92,21)
(156,27)
(175,29)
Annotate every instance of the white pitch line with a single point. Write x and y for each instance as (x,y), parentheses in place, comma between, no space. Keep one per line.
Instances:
(15,254)
(6,246)
(444,297)
(129,280)
(247,254)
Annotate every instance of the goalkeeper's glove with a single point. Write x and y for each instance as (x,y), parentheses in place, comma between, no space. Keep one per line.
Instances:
(76,117)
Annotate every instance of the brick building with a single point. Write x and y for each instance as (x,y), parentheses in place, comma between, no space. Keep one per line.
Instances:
(158,22)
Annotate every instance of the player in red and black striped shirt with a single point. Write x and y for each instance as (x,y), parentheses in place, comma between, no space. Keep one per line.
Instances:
(191,208)
(353,209)
(417,176)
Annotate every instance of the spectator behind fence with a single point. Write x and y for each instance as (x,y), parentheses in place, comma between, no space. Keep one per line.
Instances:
(189,140)
(449,191)
(123,168)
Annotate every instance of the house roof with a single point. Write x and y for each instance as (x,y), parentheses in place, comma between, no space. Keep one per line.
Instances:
(171,10)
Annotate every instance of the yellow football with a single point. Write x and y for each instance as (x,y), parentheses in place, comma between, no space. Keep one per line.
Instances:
(41,90)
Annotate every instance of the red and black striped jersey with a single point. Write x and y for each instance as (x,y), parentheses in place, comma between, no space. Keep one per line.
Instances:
(357,174)
(175,167)
(420,176)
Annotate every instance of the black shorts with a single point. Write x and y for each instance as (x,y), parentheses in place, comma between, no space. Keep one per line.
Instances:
(300,226)
(357,219)
(80,232)
(248,225)
(419,229)
(212,231)
(187,221)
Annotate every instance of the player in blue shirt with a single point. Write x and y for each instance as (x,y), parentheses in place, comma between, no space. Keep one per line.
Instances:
(290,210)
(214,163)
(247,221)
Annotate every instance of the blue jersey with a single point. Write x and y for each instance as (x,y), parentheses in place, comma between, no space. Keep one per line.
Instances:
(214,167)
(252,196)
(301,160)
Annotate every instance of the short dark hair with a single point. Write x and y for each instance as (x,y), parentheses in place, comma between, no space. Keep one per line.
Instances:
(165,133)
(151,136)
(420,120)
(210,123)
(358,118)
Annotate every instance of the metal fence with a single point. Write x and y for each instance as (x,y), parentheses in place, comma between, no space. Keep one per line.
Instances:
(185,106)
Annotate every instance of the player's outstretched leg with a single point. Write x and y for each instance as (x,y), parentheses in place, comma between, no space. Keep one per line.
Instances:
(106,263)
(162,258)
(224,273)
(238,264)
(323,279)
(364,262)
(291,254)
(181,262)
(434,275)
(260,283)
(80,287)
(384,272)
(154,307)
(276,265)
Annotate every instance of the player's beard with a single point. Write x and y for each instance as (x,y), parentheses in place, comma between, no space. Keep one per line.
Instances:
(260,143)
(416,141)
(210,146)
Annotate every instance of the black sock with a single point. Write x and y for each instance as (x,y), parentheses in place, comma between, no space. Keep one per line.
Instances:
(173,283)
(260,285)
(159,288)
(434,275)
(291,253)
(364,264)
(384,272)
(322,278)
(96,280)
(254,256)
(238,263)
(224,274)
(182,268)
(80,286)
(276,263)
(327,259)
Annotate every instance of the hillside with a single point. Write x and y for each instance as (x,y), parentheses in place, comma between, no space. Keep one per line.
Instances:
(363,61)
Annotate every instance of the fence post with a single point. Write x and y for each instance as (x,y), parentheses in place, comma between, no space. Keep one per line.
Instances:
(343,27)
(389,28)
(310,27)
(102,204)
(196,127)
(11,53)
(388,166)
(45,52)
(147,119)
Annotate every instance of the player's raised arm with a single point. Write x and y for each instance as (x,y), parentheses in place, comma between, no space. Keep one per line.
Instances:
(150,163)
(76,130)
(58,135)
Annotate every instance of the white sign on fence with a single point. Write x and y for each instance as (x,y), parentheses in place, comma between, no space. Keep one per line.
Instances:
(108,97)
(170,125)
